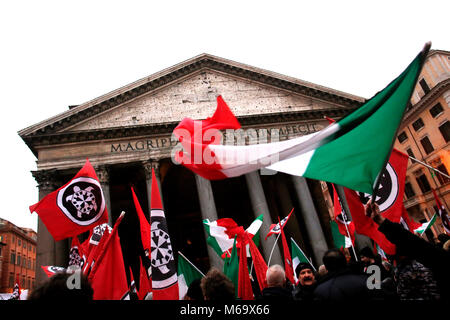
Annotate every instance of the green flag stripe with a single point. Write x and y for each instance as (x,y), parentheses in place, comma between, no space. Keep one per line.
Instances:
(355,158)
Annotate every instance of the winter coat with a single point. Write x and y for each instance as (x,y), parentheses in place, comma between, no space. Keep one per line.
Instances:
(342,286)
(414,247)
(276,293)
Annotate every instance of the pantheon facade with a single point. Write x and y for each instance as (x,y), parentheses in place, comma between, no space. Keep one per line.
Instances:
(127,132)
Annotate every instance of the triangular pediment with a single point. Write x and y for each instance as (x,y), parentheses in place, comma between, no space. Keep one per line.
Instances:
(195,97)
(189,89)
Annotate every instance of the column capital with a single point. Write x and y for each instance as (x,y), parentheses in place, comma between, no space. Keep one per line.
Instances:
(148,166)
(47,179)
(102,173)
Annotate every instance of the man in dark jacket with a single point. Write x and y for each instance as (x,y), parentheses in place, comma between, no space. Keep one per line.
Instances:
(304,291)
(276,285)
(340,284)
(414,247)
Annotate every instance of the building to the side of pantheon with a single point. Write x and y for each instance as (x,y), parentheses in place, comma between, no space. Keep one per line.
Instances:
(127,132)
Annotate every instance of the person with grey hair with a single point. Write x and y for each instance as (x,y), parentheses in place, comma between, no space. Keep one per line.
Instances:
(276,285)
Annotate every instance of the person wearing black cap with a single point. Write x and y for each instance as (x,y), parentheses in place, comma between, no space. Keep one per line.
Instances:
(306,282)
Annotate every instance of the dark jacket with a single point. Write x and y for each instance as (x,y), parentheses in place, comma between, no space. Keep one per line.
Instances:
(304,293)
(342,286)
(276,293)
(414,247)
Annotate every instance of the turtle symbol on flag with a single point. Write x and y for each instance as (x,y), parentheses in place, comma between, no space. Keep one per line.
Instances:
(162,252)
(387,191)
(82,201)
(75,258)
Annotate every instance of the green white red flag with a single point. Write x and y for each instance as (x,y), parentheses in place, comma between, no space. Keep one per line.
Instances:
(351,152)
(187,273)
(427,225)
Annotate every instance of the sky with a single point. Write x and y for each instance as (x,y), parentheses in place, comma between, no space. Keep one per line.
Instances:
(59,53)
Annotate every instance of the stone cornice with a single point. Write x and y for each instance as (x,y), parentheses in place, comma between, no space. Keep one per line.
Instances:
(425,102)
(47,139)
(170,75)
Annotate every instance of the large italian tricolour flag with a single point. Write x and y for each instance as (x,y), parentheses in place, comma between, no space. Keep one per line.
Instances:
(351,152)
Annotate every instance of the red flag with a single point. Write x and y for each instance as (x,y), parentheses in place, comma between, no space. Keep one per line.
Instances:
(74,208)
(50,271)
(275,228)
(195,135)
(245,291)
(260,265)
(164,269)
(442,213)
(287,257)
(145,286)
(342,219)
(108,277)
(364,224)
(407,222)
(96,249)
(392,186)
(144,225)
(76,255)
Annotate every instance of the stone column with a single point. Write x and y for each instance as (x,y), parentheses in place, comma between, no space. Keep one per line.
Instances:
(103,177)
(46,246)
(208,211)
(148,166)
(259,205)
(311,219)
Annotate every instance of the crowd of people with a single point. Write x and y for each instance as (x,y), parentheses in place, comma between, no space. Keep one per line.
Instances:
(418,271)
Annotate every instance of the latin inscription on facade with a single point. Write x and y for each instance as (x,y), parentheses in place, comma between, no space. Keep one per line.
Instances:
(278,133)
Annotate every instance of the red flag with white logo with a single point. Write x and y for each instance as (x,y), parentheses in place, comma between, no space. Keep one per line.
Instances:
(164,270)
(108,276)
(74,208)
(275,228)
(389,196)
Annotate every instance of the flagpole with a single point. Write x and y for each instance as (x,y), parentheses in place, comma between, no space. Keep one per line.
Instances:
(430,167)
(270,257)
(424,52)
(310,261)
(341,196)
(190,263)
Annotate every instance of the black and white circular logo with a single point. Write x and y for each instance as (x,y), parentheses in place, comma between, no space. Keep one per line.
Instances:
(387,191)
(55,269)
(163,272)
(82,201)
(75,259)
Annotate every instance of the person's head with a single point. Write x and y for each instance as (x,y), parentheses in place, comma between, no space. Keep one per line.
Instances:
(305,274)
(275,276)
(334,260)
(61,287)
(367,255)
(194,291)
(322,271)
(216,286)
